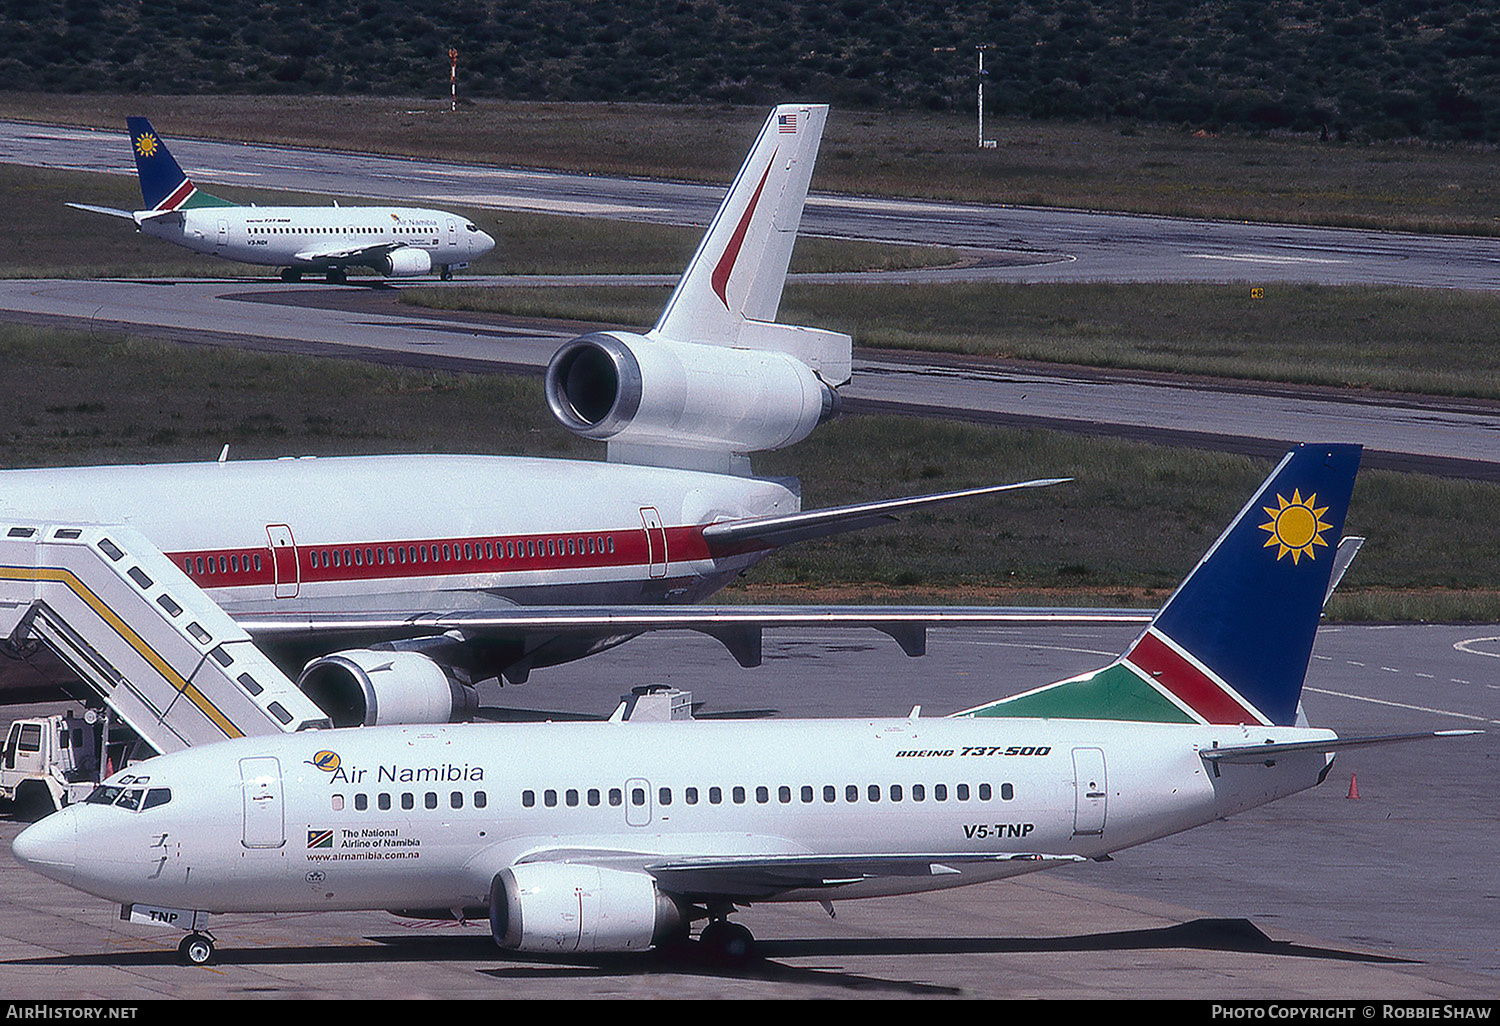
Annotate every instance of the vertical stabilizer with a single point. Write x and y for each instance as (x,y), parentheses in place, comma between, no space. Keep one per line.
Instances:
(164,186)
(730,292)
(1233,642)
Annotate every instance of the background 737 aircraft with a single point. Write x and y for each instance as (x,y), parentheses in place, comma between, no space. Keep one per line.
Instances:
(395,241)
(477,566)
(612,837)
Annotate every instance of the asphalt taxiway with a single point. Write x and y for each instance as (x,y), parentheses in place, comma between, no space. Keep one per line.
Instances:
(1393,895)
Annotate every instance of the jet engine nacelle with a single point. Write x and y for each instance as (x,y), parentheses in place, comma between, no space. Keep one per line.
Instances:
(625,388)
(366,688)
(406,261)
(562,907)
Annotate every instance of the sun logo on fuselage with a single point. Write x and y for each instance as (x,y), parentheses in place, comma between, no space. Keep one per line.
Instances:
(326,761)
(1296,526)
(146,144)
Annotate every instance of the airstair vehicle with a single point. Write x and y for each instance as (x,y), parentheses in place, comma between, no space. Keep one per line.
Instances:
(131,624)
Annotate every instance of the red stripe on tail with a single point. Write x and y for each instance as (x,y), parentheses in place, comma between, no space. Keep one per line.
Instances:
(1191,686)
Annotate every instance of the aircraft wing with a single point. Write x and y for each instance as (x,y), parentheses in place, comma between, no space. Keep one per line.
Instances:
(749,878)
(738,628)
(771,532)
(349,252)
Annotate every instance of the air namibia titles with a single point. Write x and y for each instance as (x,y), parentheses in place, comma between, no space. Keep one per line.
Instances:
(398,774)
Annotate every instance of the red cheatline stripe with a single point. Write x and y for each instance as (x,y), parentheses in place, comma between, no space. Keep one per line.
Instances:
(179,195)
(631,550)
(725,266)
(1190,685)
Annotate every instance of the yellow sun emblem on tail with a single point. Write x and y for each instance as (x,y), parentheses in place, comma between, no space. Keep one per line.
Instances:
(1296,526)
(146,144)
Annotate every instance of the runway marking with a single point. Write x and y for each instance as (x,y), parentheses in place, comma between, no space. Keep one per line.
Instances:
(1401,705)
(1463,646)
(1264,258)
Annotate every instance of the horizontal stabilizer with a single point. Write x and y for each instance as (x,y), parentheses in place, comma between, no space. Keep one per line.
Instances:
(1250,754)
(769,532)
(111,211)
(1347,550)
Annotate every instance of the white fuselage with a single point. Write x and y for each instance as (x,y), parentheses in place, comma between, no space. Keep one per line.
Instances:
(425,817)
(415,533)
(284,236)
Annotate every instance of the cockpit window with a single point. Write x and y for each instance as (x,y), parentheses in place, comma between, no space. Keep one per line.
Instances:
(471,227)
(136,799)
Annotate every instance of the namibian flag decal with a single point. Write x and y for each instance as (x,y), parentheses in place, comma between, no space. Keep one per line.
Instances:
(320,838)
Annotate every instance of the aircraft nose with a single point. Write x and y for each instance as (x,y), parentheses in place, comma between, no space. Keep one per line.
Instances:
(486,242)
(50,846)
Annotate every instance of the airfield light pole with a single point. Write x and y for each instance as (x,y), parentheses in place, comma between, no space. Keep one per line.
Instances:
(984,144)
(453,78)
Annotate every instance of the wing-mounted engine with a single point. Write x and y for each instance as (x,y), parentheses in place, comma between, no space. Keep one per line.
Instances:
(563,907)
(650,399)
(368,687)
(405,262)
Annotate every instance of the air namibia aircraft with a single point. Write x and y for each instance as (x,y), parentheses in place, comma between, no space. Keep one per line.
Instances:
(618,836)
(395,241)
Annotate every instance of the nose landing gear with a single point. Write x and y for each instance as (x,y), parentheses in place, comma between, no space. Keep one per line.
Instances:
(196,949)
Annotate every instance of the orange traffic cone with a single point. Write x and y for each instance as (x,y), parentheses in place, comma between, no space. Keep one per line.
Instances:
(1353,786)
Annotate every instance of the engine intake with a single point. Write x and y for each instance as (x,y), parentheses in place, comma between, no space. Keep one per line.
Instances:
(366,688)
(557,907)
(626,388)
(406,261)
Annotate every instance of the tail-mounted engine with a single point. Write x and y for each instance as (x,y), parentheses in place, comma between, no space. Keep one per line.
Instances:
(366,688)
(649,395)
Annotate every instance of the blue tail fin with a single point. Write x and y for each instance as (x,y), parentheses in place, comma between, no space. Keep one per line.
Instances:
(164,186)
(1233,642)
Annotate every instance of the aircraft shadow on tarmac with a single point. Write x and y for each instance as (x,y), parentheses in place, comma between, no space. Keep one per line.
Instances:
(1227,935)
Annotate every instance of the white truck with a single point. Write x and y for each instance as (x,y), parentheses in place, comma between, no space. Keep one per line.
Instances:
(51,761)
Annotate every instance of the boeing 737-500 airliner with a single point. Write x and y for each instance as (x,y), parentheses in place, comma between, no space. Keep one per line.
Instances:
(395,241)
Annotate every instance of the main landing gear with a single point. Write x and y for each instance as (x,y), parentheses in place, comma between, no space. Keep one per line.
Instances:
(196,949)
(290,274)
(727,943)
(445,273)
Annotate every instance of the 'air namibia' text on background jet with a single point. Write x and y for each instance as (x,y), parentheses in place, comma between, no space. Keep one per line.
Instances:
(596,837)
(395,241)
(480,565)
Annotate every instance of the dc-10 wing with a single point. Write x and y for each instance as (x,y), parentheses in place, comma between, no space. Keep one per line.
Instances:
(738,628)
(771,532)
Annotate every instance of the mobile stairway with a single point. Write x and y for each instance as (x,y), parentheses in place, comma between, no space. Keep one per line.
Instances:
(121,615)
